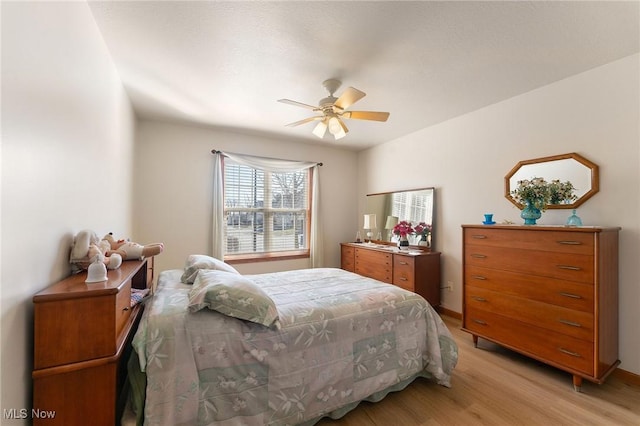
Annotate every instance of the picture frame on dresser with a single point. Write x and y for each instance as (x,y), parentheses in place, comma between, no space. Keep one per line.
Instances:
(547,292)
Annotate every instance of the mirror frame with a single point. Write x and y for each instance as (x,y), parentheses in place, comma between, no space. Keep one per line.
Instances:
(433,213)
(595,179)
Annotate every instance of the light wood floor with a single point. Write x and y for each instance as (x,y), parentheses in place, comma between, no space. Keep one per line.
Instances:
(494,386)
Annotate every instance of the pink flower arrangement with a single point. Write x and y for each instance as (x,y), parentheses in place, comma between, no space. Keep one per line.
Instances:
(403,228)
(423,229)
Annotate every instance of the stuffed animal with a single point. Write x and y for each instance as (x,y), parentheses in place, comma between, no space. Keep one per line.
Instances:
(86,246)
(130,250)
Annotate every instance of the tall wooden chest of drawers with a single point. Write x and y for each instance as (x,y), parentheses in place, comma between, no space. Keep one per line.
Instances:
(419,273)
(548,292)
(82,335)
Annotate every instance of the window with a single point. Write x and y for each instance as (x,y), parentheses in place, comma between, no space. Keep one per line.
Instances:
(266,214)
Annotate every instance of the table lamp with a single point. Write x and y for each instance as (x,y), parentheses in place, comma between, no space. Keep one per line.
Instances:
(369,224)
(391,222)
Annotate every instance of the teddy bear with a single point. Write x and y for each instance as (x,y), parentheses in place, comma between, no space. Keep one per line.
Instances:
(86,247)
(129,250)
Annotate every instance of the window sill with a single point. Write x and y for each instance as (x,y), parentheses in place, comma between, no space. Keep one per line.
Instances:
(265,257)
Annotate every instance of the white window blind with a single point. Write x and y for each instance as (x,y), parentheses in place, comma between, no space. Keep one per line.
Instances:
(413,207)
(265,212)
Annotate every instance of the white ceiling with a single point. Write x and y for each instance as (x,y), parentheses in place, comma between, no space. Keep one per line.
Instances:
(225,64)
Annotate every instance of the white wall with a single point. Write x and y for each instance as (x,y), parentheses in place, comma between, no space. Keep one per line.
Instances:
(595,114)
(67,155)
(174,168)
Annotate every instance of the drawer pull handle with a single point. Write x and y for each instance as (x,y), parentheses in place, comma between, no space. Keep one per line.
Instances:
(569,267)
(568,352)
(403,279)
(573,296)
(477,321)
(403,263)
(479,237)
(125,309)
(570,243)
(479,277)
(478,256)
(479,299)
(571,323)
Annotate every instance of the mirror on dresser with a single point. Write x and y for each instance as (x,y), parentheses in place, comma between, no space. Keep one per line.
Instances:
(572,167)
(416,205)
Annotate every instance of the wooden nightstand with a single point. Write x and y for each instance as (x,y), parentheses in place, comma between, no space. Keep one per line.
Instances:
(82,335)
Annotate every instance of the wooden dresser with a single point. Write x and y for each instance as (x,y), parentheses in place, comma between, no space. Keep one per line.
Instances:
(419,273)
(82,335)
(548,292)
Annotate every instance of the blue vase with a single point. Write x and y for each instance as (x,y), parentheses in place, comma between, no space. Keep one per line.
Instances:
(574,219)
(530,213)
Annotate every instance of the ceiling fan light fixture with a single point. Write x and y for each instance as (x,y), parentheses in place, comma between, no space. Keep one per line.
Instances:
(341,134)
(337,128)
(320,129)
(334,126)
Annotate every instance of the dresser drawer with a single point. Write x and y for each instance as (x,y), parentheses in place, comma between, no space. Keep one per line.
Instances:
(73,330)
(572,323)
(535,262)
(568,294)
(540,343)
(347,258)
(373,256)
(374,264)
(404,272)
(123,307)
(551,241)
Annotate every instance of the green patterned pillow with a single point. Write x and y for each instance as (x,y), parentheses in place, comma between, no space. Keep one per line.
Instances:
(234,295)
(196,262)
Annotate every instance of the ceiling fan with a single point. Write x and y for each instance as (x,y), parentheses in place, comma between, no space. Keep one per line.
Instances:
(333,110)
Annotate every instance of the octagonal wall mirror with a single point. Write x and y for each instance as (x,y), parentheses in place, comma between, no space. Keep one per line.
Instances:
(572,167)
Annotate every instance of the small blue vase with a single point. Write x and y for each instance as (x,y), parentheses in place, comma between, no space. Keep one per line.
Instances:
(574,219)
(530,214)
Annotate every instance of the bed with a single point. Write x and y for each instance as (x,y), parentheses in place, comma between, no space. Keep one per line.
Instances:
(335,339)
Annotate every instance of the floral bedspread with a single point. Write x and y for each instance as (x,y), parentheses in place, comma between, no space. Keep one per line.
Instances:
(343,339)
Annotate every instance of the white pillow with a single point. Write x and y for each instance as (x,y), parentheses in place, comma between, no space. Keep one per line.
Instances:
(195,262)
(234,295)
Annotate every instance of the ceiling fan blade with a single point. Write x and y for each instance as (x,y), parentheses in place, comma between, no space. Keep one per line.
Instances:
(367,115)
(320,129)
(349,97)
(344,126)
(306,120)
(299,104)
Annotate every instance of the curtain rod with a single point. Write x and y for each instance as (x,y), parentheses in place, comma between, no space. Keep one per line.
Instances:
(215,151)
